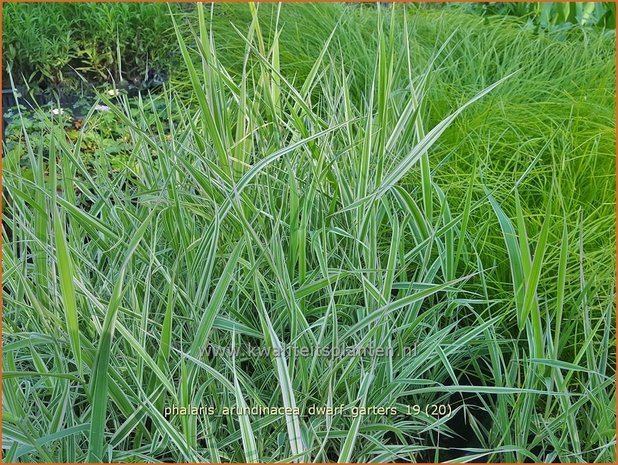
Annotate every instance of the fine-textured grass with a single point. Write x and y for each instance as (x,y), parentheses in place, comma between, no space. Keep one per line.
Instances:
(395,179)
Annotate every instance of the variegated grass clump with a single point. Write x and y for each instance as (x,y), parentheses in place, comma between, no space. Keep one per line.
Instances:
(274,211)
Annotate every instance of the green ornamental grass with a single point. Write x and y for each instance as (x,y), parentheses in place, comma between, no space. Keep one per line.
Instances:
(427,182)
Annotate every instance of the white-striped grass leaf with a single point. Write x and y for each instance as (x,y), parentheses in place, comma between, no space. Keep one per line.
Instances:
(66,271)
(515,258)
(99,381)
(216,301)
(381,312)
(347,448)
(295,438)
(391,179)
(248,438)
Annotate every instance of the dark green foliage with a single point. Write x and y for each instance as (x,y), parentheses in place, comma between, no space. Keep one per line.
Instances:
(44,42)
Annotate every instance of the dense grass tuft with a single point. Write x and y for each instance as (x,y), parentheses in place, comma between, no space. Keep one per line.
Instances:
(322,177)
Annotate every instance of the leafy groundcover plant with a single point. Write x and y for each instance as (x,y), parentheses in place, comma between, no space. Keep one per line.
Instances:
(404,253)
